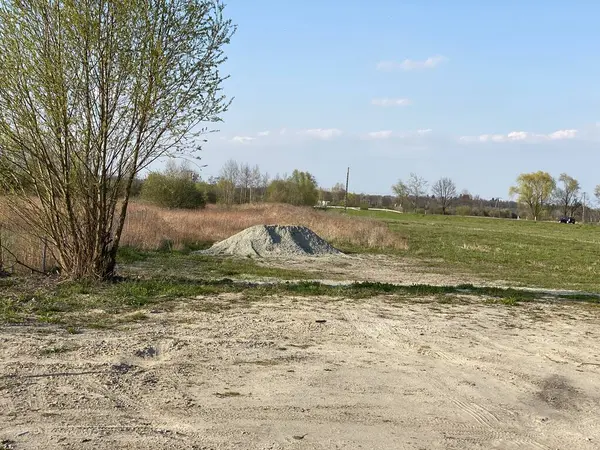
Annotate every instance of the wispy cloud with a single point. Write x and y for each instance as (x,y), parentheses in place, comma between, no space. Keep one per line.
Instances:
(323,133)
(389,134)
(523,136)
(263,133)
(384,134)
(242,139)
(390,102)
(410,64)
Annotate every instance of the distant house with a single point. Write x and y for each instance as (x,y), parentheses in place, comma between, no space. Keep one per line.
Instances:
(323,203)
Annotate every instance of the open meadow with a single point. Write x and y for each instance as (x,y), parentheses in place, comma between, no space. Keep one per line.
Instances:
(513,252)
(407,342)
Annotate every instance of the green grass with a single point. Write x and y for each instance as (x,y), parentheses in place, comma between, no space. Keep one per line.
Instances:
(193,266)
(103,305)
(526,253)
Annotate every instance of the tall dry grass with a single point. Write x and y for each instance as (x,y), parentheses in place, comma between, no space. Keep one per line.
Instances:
(17,244)
(148,227)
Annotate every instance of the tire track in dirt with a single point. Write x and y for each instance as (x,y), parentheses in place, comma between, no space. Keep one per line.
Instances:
(484,425)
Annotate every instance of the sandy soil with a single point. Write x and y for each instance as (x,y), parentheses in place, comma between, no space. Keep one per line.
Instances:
(376,268)
(377,374)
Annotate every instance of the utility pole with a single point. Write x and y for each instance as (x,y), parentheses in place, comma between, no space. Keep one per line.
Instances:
(583,214)
(346,194)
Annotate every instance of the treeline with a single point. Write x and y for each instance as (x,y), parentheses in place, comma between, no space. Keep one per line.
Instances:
(535,196)
(179,186)
(540,196)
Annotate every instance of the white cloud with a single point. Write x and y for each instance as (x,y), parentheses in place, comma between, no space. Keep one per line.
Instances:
(388,134)
(263,133)
(563,134)
(283,131)
(242,139)
(523,136)
(323,133)
(391,102)
(384,134)
(409,64)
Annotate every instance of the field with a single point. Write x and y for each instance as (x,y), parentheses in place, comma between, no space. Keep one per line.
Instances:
(406,343)
(521,253)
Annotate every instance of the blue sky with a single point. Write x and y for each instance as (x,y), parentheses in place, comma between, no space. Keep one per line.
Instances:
(476,91)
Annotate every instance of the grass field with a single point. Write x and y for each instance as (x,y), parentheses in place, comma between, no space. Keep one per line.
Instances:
(525,253)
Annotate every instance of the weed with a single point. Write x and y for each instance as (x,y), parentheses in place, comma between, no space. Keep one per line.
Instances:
(509,301)
(129,255)
(57,350)
(228,394)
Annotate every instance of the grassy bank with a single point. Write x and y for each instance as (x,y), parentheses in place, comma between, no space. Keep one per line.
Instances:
(138,297)
(542,254)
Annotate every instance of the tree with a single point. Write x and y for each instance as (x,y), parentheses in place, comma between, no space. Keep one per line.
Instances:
(416,187)
(567,194)
(91,93)
(298,189)
(338,193)
(174,188)
(445,190)
(228,181)
(597,193)
(305,190)
(534,190)
(413,189)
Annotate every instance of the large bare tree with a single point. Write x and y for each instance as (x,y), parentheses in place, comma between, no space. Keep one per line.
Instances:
(445,190)
(416,187)
(91,93)
(567,194)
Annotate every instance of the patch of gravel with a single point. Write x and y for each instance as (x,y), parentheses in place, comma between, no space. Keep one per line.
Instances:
(274,241)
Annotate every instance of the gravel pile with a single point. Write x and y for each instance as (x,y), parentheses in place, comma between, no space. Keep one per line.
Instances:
(274,240)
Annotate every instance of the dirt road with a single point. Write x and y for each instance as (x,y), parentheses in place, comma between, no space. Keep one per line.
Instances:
(377,374)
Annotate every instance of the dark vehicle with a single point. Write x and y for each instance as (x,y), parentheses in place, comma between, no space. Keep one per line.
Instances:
(567,220)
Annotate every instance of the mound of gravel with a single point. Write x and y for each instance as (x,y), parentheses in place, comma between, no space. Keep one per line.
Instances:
(274,240)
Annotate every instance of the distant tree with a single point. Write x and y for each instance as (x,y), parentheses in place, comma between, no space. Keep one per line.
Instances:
(229,177)
(400,189)
(278,191)
(533,191)
(597,193)
(411,190)
(174,188)
(305,190)
(338,193)
(445,190)
(255,183)
(567,194)
(299,189)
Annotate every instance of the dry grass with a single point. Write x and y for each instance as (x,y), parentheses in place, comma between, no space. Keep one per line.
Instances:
(149,227)
(17,244)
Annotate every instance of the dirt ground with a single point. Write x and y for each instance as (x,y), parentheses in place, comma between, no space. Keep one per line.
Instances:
(375,268)
(287,373)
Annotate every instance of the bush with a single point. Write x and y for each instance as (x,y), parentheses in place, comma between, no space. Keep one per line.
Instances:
(172,191)
(463,210)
